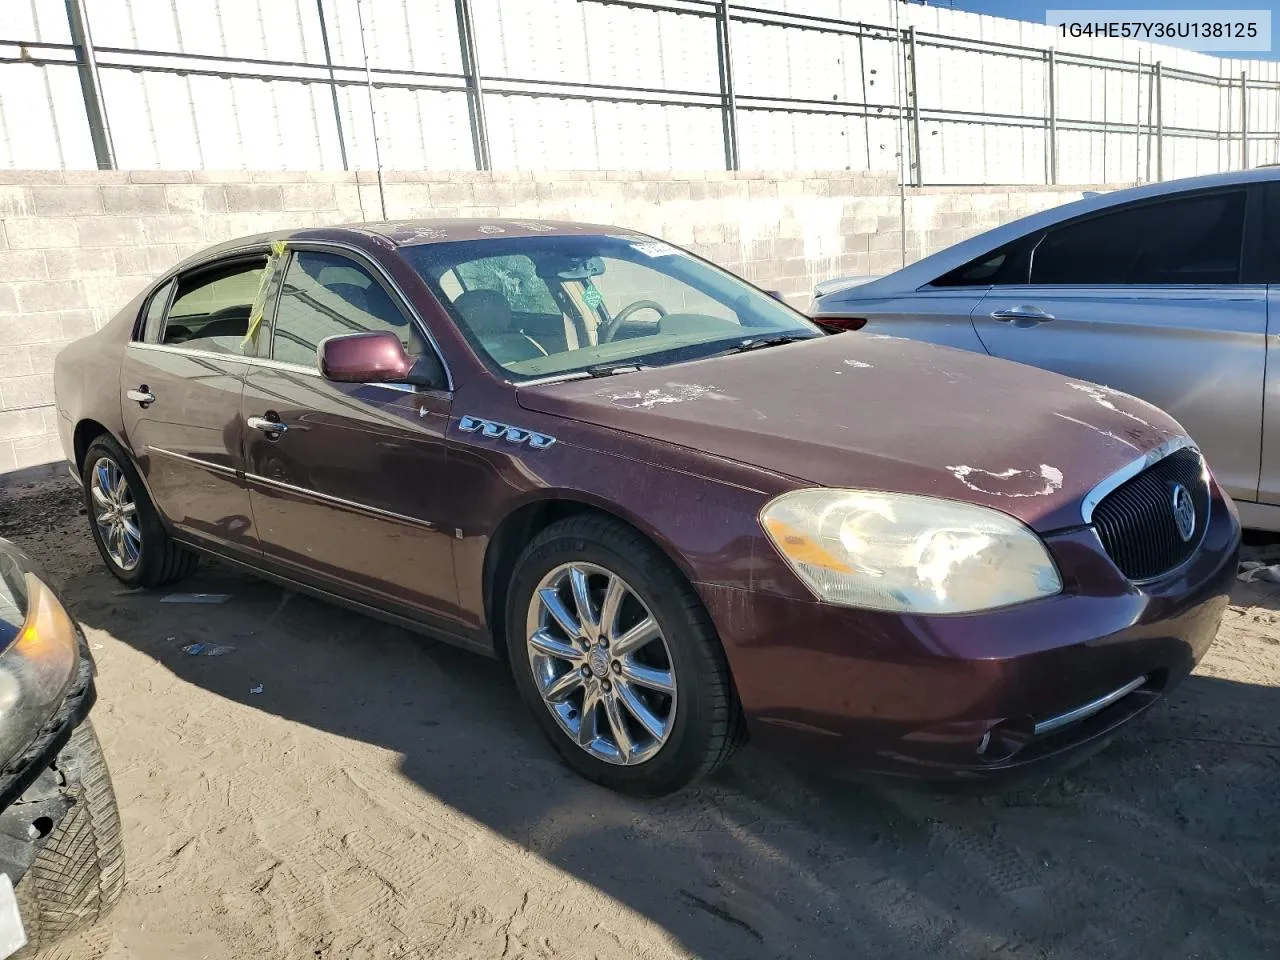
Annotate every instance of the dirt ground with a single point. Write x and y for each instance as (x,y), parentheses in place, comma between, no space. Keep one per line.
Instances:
(385,796)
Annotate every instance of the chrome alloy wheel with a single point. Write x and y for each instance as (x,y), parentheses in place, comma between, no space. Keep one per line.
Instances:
(115,513)
(601,663)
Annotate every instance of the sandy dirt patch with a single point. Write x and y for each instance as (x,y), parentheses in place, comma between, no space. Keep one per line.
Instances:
(385,796)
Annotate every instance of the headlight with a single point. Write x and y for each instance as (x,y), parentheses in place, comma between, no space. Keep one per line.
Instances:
(908,554)
(36,669)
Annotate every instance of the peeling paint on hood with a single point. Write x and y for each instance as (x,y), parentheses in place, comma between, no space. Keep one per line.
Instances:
(915,418)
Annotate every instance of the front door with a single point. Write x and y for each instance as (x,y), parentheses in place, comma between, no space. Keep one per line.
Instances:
(346,480)
(1157,300)
(180,382)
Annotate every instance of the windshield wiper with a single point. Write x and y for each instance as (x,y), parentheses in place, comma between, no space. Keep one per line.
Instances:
(759,343)
(611,369)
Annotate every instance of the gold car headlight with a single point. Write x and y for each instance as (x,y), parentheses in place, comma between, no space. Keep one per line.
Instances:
(908,554)
(37,668)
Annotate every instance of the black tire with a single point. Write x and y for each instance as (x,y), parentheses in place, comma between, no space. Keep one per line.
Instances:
(161,560)
(708,725)
(79,873)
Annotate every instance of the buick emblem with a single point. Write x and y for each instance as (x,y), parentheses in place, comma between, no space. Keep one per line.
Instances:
(1184,512)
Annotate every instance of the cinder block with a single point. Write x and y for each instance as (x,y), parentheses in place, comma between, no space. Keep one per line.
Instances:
(65,201)
(35,296)
(43,354)
(308,196)
(8,299)
(219,176)
(21,423)
(6,456)
(95,178)
(31,391)
(35,451)
(109,231)
(195,198)
(15,201)
(111,293)
(276,176)
(75,324)
(22,265)
(174,228)
(15,361)
(40,232)
(72,264)
(446,194)
(253,198)
(136,199)
(160,176)
(131,261)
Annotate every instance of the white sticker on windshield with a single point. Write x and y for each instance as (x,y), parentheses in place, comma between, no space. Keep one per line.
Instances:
(654,248)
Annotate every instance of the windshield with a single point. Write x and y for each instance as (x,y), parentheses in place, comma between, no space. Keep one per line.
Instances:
(546,306)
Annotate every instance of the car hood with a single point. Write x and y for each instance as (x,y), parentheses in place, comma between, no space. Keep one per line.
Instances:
(878,412)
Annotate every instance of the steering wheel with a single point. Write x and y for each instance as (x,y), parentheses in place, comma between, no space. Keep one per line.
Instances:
(610,327)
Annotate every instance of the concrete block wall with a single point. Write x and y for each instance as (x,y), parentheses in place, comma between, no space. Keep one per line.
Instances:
(75,246)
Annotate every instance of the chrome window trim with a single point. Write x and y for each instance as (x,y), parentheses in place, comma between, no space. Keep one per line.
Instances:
(1131,470)
(339,501)
(224,357)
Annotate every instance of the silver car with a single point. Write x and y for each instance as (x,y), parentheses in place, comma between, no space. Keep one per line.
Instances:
(1163,291)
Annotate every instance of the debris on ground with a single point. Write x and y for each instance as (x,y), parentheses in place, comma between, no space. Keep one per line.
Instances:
(196,598)
(257,689)
(207,649)
(1252,570)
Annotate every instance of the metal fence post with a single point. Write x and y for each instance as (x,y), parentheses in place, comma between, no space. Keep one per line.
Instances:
(728,100)
(1052,69)
(914,94)
(333,86)
(90,86)
(475,88)
(1159,122)
(1244,120)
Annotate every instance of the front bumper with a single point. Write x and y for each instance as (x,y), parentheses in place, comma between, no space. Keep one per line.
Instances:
(973,697)
(34,793)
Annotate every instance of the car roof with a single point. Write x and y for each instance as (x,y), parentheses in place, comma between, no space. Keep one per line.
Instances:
(917,274)
(405,233)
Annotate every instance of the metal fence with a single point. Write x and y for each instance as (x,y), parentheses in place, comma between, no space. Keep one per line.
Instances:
(913,123)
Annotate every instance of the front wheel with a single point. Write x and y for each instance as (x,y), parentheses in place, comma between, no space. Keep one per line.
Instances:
(618,660)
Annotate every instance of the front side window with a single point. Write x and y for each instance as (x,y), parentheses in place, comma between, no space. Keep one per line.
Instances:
(326,295)
(1188,240)
(548,305)
(211,307)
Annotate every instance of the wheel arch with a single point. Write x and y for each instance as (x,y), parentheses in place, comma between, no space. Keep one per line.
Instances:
(529,519)
(87,431)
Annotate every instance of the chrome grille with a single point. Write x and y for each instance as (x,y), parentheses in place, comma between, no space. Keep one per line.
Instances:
(1136,522)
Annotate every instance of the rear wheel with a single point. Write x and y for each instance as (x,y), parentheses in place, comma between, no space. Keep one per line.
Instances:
(125,524)
(618,660)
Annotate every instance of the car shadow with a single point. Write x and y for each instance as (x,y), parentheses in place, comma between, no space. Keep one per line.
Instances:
(1164,845)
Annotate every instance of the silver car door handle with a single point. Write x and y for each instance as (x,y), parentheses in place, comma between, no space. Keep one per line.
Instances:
(1022,312)
(266,426)
(141,396)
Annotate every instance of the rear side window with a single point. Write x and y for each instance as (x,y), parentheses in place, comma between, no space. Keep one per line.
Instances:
(327,295)
(153,323)
(211,308)
(1189,240)
(1007,264)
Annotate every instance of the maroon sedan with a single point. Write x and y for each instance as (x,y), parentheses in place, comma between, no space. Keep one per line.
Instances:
(680,510)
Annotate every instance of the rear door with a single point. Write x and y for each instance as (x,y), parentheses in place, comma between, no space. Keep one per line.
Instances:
(180,384)
(1162,299)
(347,480)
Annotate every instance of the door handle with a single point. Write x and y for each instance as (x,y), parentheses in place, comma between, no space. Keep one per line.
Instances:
(142,395)
(1024,312)
(273,428)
